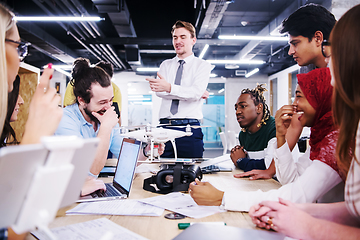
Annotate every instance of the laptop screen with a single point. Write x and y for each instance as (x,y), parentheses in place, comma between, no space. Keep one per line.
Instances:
(126,163)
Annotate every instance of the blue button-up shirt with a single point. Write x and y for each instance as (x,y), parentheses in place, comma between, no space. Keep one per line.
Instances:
(74,123)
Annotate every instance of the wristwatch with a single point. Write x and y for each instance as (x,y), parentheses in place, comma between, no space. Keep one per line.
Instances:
(239,160)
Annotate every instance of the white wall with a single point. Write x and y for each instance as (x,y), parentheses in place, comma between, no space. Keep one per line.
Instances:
(283,88)
(283,85)
(123,80)
(233,87)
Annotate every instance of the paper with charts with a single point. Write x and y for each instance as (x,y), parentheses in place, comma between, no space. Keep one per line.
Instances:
(117,207)
(101,228)
(183,204)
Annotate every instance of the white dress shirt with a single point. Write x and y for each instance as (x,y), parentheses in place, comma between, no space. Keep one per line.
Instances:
(195,78)
(310,181)
(267,154)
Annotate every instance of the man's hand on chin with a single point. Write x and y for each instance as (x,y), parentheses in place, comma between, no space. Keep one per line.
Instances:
(108,118)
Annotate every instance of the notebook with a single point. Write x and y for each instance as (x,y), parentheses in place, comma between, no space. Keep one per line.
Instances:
(82,161)
(125,168)
(18,165)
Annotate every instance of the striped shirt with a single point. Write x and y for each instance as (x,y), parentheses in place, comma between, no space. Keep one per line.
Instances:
(352,187)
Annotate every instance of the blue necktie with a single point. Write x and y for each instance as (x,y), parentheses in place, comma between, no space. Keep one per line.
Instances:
(175,102)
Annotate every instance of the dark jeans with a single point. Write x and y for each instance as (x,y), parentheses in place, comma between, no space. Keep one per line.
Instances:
(188,146)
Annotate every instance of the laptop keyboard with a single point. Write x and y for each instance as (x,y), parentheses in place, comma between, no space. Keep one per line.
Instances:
(110,192)
(210,169)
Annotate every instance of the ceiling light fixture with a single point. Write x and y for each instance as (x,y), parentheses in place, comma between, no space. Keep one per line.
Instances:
(204,51)
(58,19)
(259,38)
(221,90)
(249,74)
(213,75)
(242,61)
(244,23)
(231,66)
(147,69)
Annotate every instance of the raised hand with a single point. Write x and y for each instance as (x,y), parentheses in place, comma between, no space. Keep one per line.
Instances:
(283,118)
(44,111)
(160,84)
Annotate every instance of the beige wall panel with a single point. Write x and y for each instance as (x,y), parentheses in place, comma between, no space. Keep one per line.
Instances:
(28,83)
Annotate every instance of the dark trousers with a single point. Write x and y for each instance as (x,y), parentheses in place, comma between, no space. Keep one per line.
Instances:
(188,146)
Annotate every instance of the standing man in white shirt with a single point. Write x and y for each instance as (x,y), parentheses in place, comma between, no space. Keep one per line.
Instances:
(181,83)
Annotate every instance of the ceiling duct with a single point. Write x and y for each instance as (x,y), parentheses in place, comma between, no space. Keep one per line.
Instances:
(212,18)
(107,6)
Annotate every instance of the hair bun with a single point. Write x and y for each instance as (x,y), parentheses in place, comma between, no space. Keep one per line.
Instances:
(80,65)
(107,67)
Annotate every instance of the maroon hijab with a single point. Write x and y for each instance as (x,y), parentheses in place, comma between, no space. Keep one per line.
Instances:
(317,90)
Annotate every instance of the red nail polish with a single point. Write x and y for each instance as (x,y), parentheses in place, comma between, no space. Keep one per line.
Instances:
(51,77)
(50,66)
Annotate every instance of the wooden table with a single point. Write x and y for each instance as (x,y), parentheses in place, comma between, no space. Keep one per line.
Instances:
(158,228)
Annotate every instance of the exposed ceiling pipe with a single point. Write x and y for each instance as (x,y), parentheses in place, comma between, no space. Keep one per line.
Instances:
(76,13)
(110,55)
(95,49)
(89,31)
(76,26)
(104,55)
(113,52)
(82,44)
(84,12)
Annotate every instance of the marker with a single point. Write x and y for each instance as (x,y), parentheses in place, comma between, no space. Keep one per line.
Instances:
(185,225)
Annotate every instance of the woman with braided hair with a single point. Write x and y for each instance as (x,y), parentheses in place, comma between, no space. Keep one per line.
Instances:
(258,132)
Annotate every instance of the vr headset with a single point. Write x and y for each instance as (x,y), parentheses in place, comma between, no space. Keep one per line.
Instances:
(173,178)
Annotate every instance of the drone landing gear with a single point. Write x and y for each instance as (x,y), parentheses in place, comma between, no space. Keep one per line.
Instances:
(174,147)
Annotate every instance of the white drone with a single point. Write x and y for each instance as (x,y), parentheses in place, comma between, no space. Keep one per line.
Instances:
(154,135)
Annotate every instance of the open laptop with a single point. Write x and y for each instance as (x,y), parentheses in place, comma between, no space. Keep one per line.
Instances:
(82,161)
(18,165)
(125,168)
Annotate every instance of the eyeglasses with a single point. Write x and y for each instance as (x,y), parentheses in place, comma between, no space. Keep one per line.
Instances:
(22,48)
(326,48)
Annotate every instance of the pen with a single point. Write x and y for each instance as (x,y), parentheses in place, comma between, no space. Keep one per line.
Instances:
(185,225)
